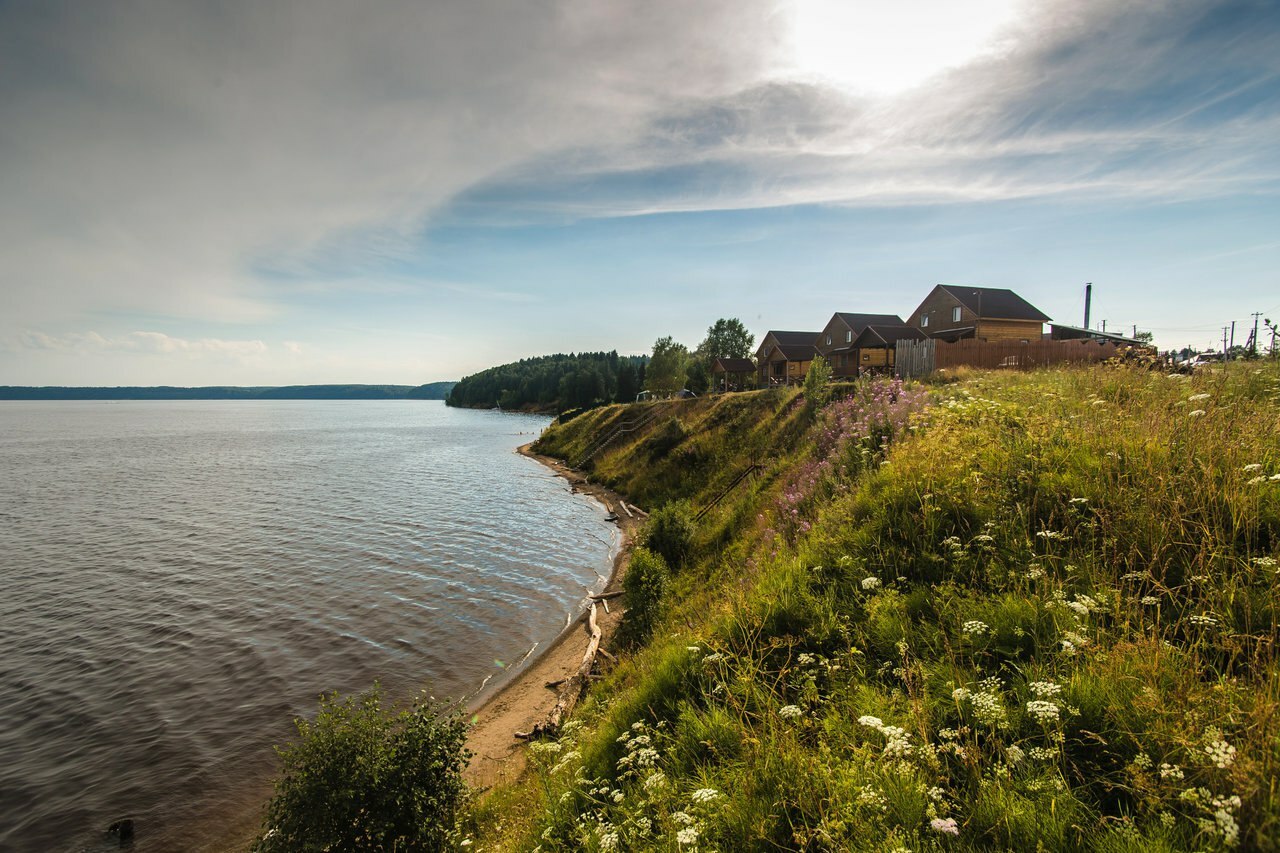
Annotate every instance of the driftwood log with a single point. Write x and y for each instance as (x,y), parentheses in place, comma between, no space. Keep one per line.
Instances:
(571,688)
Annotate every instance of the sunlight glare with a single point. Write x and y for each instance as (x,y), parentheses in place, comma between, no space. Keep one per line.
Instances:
(880,47)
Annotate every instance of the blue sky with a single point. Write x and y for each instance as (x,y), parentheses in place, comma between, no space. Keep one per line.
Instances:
(290,192)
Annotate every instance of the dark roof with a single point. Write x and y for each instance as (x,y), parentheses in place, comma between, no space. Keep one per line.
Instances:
(888,334)
(791,338)
(995,303)
(734,365)
(858,322)
(798,352)
(1062,332)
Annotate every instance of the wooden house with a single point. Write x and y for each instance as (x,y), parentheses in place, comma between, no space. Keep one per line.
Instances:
(835,342)
(875,348)
(732,374)
(784,357)
(954,312)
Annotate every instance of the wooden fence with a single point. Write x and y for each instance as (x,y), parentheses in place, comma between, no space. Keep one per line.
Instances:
(920,358)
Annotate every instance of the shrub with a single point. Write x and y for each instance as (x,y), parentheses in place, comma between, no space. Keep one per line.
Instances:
(669,533)
(363,777)
(665,438)
(645,588)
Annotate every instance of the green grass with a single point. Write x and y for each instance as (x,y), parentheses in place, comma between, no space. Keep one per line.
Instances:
(1039,611)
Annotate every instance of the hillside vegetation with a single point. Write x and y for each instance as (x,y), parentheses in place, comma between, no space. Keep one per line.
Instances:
(553,383)
(1013,611)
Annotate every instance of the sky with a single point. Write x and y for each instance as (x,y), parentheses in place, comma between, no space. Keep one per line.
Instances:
(307,191)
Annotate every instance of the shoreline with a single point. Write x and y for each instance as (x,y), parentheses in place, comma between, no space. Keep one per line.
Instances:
(515,704)
(524,700)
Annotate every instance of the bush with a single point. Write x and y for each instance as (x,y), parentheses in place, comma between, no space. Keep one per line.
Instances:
(362,777)
(645,587)
(669,533)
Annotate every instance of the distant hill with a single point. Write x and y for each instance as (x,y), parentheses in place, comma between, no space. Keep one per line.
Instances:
(430,391)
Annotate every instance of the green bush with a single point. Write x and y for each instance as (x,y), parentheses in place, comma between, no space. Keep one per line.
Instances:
(362,777)
(669,533)
(645,588)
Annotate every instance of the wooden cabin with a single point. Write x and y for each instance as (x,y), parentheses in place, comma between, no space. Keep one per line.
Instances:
(732,374)
(876,347)
(836,341)
(955,312)
(783,358)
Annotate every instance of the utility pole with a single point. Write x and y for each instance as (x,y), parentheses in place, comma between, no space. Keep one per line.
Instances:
(1224,344)
(1104,327)
(1256,315)
(1233,334)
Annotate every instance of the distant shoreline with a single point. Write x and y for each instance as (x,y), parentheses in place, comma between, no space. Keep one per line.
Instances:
(429,391)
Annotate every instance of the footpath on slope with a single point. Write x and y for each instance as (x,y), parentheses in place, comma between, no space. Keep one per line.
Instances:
(526,700)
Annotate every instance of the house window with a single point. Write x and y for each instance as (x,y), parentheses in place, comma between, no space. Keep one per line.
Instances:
(924,321)
(828,340)
(848,336)
(955,314)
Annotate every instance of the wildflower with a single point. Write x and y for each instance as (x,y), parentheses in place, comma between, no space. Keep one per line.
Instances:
(805,659)
(1035,573)
(1221,753)
(1202,620)
(1196,398)
(936,794)
(1274,478)
(682,818)
(694,649)
(1256,480)
(655,780)
(973,627)
(1039,753)
(609,841)
(1142,760)
(1014,754)
(945,825)
(869,796)
(1044,689)
(704,795)
(1253,466)
(1042,711)
(790,712)
(1051,534)
(988,708)
(1150,599)
(871,583)
(1196,413)
(617,796)
(960,694)
(687,836)
(871,722)
(1171,771)
(714,657)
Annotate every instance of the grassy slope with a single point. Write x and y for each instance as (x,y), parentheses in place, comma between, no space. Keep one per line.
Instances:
(1029,610)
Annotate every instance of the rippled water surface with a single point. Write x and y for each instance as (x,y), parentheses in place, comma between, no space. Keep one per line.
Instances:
(183,578)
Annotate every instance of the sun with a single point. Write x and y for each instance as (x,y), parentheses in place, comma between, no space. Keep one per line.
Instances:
(881,47)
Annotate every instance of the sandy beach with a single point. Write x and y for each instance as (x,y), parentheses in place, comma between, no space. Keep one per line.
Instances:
(498,755)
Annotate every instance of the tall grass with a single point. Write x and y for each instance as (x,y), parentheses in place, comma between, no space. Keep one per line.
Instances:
(1013,611)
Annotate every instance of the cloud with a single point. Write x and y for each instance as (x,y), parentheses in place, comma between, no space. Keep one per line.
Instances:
(142,342)
(158,157)
(1153,100)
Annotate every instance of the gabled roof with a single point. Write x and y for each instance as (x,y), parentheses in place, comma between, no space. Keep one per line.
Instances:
(888,334)
(791,338)
(858,322)
(798,352)
(734,365)
(995,303)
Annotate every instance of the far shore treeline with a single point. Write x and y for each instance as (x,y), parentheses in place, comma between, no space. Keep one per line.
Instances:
(430,391)
(553,383)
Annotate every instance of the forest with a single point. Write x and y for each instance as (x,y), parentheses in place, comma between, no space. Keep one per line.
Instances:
(553,383)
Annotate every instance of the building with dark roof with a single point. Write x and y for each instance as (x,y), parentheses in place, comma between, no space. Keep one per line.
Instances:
(954,312)
(835,341)
(783,358)
(732,374)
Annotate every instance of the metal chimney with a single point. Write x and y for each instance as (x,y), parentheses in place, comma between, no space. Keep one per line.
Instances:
(1088,300)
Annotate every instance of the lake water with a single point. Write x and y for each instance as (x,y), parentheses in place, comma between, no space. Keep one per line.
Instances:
(181,579)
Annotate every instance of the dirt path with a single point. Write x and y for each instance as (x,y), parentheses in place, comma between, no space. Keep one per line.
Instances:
(526,700)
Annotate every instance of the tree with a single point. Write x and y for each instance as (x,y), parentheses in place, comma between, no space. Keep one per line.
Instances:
(666,371)
(628,383)
(726,338)
(697,376)
(815,383)
(362,777)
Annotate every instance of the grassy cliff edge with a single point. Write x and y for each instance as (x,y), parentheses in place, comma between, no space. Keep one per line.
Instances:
(1010,611)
